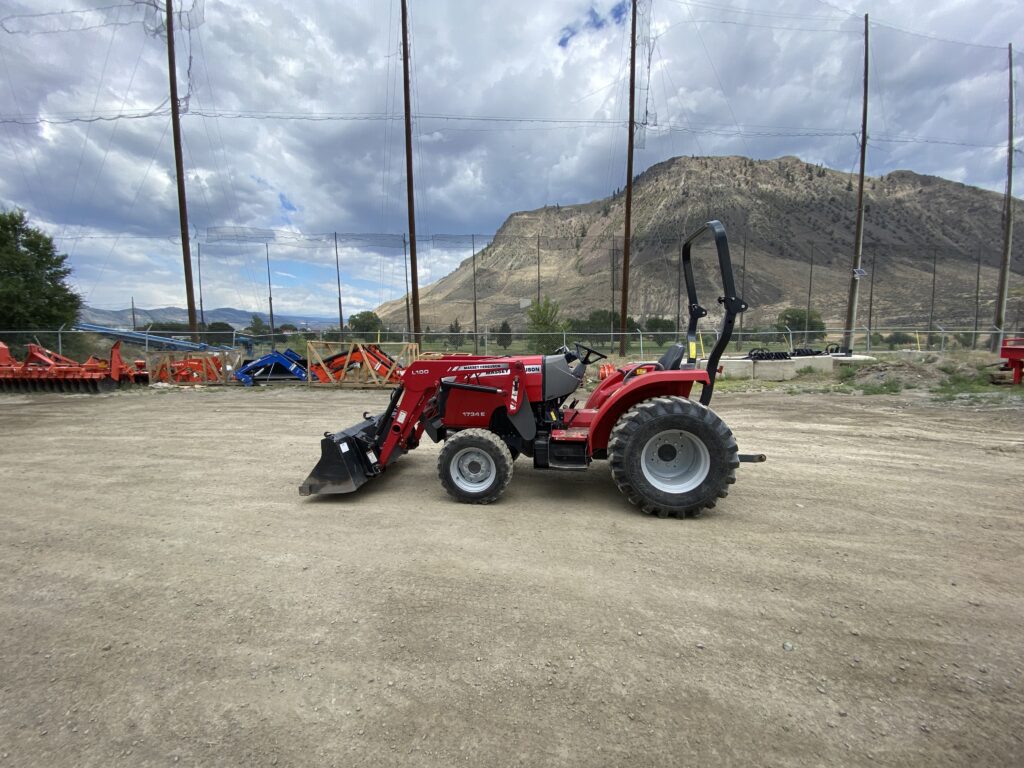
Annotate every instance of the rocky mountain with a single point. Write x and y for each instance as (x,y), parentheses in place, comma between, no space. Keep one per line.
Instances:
(781,213)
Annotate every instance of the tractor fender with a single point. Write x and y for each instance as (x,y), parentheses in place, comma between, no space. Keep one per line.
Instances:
(654,384)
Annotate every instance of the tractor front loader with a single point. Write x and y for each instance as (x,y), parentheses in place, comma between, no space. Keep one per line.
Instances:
(669,454)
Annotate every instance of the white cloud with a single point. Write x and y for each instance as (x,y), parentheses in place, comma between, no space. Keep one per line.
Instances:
(768,75)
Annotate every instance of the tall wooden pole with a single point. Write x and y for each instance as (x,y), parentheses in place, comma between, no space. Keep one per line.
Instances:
(977,302)
(270,296)
(858,238)
(931,304)
(810,286)
(337,272)
(199,263)
(1004,265)
(417,334)
(743,284)
(405,263)
(629,184)
(179,168)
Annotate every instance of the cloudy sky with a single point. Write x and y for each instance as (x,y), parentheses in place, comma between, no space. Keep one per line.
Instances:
(293,129)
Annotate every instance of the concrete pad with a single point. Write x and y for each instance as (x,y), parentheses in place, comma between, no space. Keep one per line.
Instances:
(735,368)
(775,370)
(851,359)
(819,364)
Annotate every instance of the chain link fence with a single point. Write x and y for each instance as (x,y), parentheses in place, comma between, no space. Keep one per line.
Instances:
(640,343)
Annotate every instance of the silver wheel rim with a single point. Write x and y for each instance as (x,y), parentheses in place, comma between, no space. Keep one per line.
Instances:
(675,461)
(472,470)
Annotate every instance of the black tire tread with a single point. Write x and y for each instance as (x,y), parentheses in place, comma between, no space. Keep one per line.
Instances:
(502,459)
(660,407)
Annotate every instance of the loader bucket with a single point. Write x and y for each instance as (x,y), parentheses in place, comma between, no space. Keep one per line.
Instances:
(344,465)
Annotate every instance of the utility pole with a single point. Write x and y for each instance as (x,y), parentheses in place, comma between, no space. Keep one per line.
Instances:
(931,305)
(476,331)
(611,311)
(270,292)
(337,271)
(810,284)
(133,313)
(179,168)
(417,334)
(977,302)
(199,263)
(858,238)
(679,292)
(629,181)
(743,285)
(405,263)
(1004,264)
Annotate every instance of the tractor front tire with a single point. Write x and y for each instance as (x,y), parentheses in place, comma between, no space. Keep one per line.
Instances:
(671,456)
(475,466)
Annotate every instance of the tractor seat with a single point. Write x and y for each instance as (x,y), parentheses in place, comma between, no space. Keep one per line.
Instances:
(672,358)
(559,379)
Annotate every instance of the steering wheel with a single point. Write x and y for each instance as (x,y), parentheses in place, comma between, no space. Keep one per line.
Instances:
(587,355)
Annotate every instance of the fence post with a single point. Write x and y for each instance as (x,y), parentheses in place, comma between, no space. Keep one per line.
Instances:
(641,335)
(790,331)
(60,340)
(942,338)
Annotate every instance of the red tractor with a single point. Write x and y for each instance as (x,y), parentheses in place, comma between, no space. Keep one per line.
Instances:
(669,455)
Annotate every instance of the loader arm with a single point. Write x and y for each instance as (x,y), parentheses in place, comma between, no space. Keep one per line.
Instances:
(475,386)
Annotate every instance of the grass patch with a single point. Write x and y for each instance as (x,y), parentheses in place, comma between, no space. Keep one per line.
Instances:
(963,382)
(890,387)
(845,373)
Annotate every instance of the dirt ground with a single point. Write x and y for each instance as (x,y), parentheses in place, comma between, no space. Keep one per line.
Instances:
(169,599)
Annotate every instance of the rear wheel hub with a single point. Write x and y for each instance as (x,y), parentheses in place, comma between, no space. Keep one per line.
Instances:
(675,461)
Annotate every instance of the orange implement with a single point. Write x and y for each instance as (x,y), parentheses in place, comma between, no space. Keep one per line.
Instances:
(339,366)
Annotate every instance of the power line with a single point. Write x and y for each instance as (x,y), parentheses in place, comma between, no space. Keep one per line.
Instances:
(875,23)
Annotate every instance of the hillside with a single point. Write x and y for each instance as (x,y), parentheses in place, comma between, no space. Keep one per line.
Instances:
(785,209)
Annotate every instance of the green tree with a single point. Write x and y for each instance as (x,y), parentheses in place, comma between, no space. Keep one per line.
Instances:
(287,328)
(257,327)
(659,325)
(503,338)
(662,329)
(546,330)
(34,292)
(455,333)
(365,323)
(219,333)
(797,320)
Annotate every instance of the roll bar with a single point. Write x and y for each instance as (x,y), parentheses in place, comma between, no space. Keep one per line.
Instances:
(734,305)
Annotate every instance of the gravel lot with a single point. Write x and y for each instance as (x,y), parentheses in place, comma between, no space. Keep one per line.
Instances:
(169,599)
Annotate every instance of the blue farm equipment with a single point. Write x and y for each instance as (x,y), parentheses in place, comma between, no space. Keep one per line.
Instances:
(285,364)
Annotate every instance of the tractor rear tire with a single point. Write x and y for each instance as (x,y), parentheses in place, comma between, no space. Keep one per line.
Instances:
(475,466)
(671,456)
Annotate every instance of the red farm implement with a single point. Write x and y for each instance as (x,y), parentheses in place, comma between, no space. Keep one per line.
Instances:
(192,368)
(44,370)
(669,454)
(356,363)
(1012,352)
